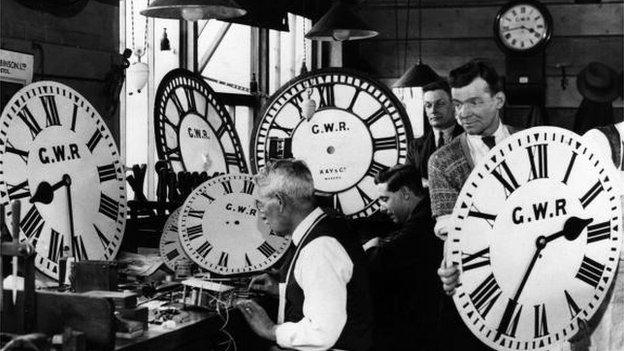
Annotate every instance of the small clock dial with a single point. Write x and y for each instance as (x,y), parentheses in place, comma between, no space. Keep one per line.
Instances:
(193,128)
(523,26)
(58,157)
(170,248)
(537,236)
(359,129)
(221,231)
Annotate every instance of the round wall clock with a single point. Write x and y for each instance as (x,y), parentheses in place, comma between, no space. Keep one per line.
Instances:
(537,235)
(523,26)
(170,249)
(58,157)
(221,231)
(193,128)
(359,129)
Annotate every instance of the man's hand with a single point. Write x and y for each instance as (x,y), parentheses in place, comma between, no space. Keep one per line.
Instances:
(449,277)
(441,227)
(257,318)
(265,283)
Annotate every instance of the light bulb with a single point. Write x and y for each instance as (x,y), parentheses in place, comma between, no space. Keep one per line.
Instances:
(341,34)
(192,13)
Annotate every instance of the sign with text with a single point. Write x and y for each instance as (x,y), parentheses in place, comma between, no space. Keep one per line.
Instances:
(16,67)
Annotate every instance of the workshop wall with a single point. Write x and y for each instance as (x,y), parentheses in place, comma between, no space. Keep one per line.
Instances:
(75,51)
(456,30)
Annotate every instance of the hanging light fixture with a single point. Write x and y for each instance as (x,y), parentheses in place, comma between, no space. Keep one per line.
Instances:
(340,24)
(138,72)
(193,10)
(419,74)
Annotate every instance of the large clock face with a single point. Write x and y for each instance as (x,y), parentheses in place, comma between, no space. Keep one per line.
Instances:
(523,26)
(537,236)
(359,129)
(221,231)
(58,157)
(194,131)
(170,249)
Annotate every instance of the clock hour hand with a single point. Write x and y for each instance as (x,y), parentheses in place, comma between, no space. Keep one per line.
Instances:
(45,192)
(572,228)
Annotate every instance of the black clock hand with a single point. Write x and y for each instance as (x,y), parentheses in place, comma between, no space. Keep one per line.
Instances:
(571,229)
(45,192)
(67,180)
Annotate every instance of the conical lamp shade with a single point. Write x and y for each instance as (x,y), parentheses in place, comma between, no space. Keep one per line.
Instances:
(340,23)
(193,10)
(417,76)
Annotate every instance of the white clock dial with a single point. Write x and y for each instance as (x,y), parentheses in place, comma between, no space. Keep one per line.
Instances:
(523,25)
(170,248)
(359,129)
(221,231)
(537,236)
(56,152)
(194,131)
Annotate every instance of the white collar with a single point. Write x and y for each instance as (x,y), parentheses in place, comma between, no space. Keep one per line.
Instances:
(499,135)
(305,224)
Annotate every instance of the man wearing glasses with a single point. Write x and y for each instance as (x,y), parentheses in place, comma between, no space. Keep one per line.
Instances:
(324,290)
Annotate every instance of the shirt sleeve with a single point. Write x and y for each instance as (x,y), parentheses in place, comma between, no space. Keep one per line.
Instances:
(323,270)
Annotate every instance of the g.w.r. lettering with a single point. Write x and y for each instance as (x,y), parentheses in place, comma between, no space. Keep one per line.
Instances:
(58,153)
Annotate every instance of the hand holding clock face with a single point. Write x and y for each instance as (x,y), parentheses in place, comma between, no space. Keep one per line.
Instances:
(544,194)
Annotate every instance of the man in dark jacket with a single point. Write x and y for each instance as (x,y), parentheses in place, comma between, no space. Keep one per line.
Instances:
(406,289)
(441,117)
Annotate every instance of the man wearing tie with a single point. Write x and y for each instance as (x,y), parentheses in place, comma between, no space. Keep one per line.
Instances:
(477,98)
(441,117)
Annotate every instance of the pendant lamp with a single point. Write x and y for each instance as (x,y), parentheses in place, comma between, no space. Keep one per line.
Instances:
(340,24)
(420,74)
(193,10)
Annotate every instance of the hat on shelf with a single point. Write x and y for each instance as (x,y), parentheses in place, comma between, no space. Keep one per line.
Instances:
(598,82)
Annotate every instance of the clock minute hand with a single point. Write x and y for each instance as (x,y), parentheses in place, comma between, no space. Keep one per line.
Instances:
(572,228)
(67,183)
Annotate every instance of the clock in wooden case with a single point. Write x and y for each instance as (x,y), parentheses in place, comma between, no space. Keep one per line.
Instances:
(58,157)
(359,129)
(221,230)
(194,131)
(537,234)
(522,30)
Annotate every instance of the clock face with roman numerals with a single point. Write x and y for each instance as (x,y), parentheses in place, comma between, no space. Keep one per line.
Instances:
(170,249)
(194,131)
(359,129)
(537,235)
(221,231)
(58,157)
(523,26)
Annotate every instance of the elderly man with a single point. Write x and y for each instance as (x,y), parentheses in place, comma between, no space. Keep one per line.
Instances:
(441,117)
(405,288)
(478,98)
(324,294)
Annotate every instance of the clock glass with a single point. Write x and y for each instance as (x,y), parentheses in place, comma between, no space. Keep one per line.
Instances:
(537,236)
(194,131)
(359,129)
(58,157)
(221,230)
(523,27)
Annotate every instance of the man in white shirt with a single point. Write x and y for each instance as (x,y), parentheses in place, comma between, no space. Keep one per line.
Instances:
(324,295)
